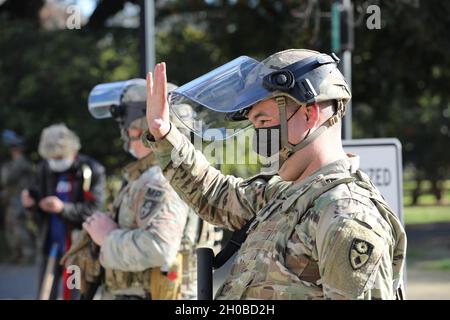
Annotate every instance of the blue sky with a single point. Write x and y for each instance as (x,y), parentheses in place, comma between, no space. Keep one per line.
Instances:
(87,6)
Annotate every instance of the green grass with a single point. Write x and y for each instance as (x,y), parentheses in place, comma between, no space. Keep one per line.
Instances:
(426,184)
(426,214)
(427,198)
(427,211)
(440,264)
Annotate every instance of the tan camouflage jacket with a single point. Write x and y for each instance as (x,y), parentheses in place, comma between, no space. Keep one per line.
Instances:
(14,177)
(151,218)
(316,239)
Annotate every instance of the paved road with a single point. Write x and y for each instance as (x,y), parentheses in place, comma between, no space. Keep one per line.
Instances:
(428,285)
(18,282)
(427,242)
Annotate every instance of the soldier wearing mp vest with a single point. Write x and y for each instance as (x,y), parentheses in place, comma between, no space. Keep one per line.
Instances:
(146,244)
(318,228)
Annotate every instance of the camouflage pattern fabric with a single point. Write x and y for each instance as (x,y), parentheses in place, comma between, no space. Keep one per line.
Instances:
(58,141)
(197,234)
(19,227)
(152,219)
(333,87)
(84,254)
(331,236)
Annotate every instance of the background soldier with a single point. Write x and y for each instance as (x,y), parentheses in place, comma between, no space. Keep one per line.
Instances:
(15,175)
(320,228)
(146,248)
(67,188)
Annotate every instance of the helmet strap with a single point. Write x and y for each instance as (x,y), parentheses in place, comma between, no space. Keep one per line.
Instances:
(287,149)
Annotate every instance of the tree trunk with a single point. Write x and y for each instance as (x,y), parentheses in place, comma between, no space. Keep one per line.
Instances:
(417,191)
(437,186)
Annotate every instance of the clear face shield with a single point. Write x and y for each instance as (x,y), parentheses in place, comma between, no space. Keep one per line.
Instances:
(220,99)
(125,101)
(122,100)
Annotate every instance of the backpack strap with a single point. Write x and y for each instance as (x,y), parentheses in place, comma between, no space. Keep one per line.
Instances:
(237,239)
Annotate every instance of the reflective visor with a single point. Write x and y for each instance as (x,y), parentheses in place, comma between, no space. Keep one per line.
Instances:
(235,86)
(105,95)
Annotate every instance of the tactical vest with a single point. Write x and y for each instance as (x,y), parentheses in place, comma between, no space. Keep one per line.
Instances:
(164,284)
(262,255)
(116,279)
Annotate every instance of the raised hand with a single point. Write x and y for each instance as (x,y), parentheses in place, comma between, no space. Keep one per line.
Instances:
(157,105)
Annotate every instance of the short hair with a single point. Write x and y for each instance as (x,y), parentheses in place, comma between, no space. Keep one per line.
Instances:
(328,103)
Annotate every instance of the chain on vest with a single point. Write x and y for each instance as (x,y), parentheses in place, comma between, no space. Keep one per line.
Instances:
(276,243)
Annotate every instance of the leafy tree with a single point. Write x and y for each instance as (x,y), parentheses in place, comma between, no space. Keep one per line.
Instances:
(46,77)
(400,72)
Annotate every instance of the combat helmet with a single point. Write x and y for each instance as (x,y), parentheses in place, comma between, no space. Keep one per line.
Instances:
(125,101)
(222,98)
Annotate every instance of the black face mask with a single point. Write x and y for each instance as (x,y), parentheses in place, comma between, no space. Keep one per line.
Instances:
(267,141)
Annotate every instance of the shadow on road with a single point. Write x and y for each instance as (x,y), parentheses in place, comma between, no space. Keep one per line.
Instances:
(428,253)
(426,243)
(18,282)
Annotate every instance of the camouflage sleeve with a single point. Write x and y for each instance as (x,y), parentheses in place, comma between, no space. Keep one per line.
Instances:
(223,200)
(155,242)
(354,249)
(5,176)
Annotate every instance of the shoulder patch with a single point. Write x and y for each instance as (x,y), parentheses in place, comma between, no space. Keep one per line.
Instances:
(154,193)
(359,253)
(350,258)
(147,208)
(152,199)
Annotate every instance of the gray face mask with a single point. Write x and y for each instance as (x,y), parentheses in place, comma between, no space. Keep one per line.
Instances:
(60,165)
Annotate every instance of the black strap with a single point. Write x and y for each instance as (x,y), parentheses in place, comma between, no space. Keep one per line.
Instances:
(399,294)
(233,245)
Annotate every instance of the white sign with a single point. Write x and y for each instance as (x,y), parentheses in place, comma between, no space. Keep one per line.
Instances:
(381,159)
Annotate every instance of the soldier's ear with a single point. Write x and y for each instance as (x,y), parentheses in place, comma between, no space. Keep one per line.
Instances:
(312,115)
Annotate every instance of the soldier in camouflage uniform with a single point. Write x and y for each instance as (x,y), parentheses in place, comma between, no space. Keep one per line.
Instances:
(15,175)
(146,249)
(319,228)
